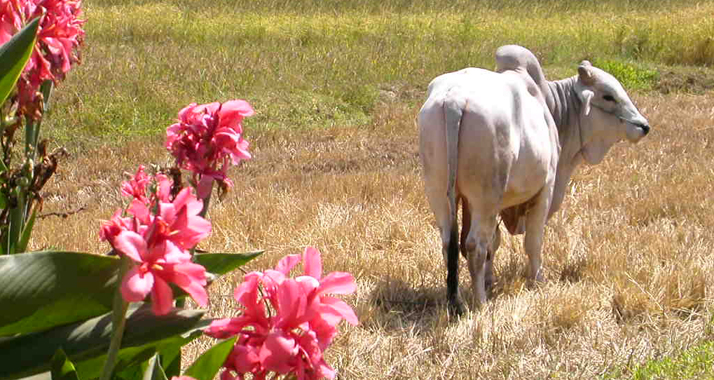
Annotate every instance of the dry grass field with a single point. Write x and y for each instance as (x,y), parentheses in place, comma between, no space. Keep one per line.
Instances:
(628,259)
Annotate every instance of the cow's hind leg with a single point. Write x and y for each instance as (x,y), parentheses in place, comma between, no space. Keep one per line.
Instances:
(478,243)
(465,225)
(496,241)
(489,279)
(449,246)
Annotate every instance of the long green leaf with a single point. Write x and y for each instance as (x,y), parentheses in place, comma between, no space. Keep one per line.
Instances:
(171,361)
(154,371)
(210,362)
(222,263)
(86,342)
(62,367)
(14,55)
(40,290)
(52,288)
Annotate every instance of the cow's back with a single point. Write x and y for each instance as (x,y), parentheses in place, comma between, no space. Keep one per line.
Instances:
(501,142)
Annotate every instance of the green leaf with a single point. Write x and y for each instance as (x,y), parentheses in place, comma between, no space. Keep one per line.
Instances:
(154,371)
(14,55)
(62,368)
(26,232)
(222,263)
(132,372)
(210,362)
(86,342)
(171,361)
(51,288)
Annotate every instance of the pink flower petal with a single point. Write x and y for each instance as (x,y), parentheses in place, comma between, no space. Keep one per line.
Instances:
(233,111)
(191,278)
(287,263)
(204,186)
(246,358)
(136,286)
(186,199)
(169,253)
(292,304)
(226,328)
(141,212)
(312,263)
(162,297)
(338,283)
(131,244)
(164,187)
(278,352)
(340,308)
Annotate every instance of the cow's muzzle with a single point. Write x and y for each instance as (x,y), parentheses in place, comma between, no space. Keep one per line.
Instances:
(637,129)
(644,127)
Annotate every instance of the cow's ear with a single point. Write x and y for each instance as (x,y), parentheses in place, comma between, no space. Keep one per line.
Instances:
(585,74)
(586,97)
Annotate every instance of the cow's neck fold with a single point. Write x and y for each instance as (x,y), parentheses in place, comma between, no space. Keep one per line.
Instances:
(565,110)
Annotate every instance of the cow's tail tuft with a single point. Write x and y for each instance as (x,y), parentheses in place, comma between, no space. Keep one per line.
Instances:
(453,113)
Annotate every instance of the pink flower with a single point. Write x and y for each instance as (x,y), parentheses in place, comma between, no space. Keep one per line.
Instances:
(304,323)
(110,229)
(59,36)
(157,238)
(207,139)
(136,186)
(156,266)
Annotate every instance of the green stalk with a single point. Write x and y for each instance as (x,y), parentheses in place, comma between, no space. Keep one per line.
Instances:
(32,128)
(118,323)
(31,133)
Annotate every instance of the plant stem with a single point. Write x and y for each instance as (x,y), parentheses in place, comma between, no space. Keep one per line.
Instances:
(118,323)
(206,201)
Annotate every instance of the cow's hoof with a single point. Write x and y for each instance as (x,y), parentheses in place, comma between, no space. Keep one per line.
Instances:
(535,282)
(456,308)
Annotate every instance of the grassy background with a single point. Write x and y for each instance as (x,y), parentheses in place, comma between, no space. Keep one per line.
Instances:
(336,86)
(308,64)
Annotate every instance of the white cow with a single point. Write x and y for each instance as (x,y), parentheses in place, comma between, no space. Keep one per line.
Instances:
(506,143)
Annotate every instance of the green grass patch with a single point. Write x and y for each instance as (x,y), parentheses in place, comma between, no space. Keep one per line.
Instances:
(696,363)
(630,74)
(312,64)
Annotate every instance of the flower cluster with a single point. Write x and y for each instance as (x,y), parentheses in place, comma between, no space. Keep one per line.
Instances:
(157,238)
(60,34)
(286,323)
(207,139)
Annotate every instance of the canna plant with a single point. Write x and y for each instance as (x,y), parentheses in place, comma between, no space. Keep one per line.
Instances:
(122,315)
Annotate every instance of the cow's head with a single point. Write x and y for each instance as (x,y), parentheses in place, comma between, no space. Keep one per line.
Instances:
(607,114)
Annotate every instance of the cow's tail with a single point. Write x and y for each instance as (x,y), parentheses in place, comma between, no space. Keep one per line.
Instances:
(453,113)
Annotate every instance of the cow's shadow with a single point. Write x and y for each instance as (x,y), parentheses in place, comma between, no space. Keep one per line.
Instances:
(397,304)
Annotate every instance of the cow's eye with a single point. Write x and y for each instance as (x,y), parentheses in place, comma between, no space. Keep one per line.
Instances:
(609,98)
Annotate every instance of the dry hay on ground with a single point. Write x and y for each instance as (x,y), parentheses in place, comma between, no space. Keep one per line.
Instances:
(628,259)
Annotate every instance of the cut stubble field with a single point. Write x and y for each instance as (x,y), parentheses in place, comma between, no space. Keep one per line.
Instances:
(628,259)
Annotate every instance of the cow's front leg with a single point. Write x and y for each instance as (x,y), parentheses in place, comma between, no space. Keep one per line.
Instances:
(535,227)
